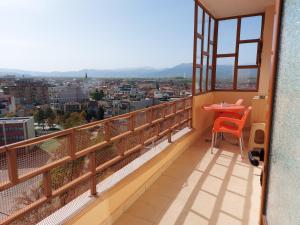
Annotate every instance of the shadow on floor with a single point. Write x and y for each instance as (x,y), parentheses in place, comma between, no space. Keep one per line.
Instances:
(201,188)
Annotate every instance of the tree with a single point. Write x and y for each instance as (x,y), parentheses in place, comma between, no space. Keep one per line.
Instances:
(100,113)
(75,119)
(39,117)
(97,95)
(49,113)
(51,121)
(50,117)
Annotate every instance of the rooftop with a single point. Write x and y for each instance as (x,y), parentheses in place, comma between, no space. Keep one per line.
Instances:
(15,119)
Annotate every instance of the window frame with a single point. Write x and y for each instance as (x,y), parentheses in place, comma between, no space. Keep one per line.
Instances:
(198,36)
(214,43)
(235,54)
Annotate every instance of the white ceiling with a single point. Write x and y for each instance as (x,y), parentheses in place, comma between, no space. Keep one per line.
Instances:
(227,8)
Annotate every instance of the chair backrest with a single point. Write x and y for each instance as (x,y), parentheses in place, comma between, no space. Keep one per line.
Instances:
(244,117)
(239,102)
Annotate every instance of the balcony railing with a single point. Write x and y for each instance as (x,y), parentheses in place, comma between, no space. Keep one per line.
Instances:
(40,175)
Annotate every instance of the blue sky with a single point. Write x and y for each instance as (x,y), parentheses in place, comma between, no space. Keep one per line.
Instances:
(48,35)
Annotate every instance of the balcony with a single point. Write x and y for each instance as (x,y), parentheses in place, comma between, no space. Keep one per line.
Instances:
(152,166)
(150,155)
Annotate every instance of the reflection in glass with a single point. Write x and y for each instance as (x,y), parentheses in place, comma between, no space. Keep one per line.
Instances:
(247,79)
(225,73)
(206,24)
(248,54)
(203,86)
(199,53)
(200,14)
(211,52)
(197,81)
(227,36)
(209,79)
(251,27)
(212,27)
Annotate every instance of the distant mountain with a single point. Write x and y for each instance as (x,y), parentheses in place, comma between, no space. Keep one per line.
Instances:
(179,70)
(224,71)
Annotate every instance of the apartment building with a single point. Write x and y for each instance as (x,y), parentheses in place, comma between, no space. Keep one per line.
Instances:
(67,93)
(28,91)
(16,129)
(7,104)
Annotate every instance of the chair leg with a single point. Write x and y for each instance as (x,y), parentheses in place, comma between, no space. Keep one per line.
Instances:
(243,143)
(241,146)
(216,139)
(212,142)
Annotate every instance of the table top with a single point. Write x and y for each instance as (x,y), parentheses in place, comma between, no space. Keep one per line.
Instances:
(224,107)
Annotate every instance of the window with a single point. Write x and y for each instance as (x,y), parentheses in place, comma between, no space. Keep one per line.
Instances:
(233,62)
(203,57)
(197,81)
(225,73)
(227,36)
(204,70)
(238,53)
(199,51)
(251,27)
(248,54)
(247,79)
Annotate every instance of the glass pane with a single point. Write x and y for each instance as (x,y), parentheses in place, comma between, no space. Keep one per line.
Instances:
(212,27)
(247,79)
(199,53)
(248,54)
(227,36)
(224,73)
(209,79)
(200,14)
(211,52)
(197,81)
(204,73)
(251,27)
(206,32)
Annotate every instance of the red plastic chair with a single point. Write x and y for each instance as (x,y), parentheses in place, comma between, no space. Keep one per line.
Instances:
(230,125)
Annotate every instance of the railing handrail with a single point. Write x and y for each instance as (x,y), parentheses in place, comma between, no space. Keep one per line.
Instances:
(73,153)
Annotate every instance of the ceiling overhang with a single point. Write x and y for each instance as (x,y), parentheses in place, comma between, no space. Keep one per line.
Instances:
(229,8)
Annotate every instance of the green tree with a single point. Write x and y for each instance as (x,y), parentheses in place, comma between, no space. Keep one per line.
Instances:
(100,113)
(50,117)
(49,113)
(39,117)
(97,95)
(75,119)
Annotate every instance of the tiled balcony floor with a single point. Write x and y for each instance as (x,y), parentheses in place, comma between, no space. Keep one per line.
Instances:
(201,188)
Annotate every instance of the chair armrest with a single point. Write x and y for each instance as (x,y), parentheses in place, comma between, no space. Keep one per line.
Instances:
(222,119)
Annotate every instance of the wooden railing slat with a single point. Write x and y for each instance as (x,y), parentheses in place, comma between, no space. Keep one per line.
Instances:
(12,167)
